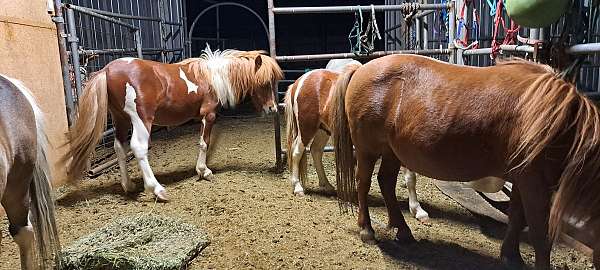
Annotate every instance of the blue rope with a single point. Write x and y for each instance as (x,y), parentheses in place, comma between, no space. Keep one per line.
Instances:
(492,7)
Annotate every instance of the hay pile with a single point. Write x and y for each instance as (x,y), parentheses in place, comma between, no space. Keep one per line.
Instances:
(139,242)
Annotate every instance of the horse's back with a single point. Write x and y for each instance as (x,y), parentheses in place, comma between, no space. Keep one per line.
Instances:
(311,95)
(161,89)
(430,112)
(18,145)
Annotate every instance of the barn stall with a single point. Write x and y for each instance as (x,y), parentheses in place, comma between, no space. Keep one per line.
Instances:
(248,212)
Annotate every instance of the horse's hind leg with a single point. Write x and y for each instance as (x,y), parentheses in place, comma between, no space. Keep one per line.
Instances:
(536,204)
(297,155)
(388,178)
(316,150)
(597,253)
(509,252)
(364,171)
(413,203)
(16,205)
(121,148)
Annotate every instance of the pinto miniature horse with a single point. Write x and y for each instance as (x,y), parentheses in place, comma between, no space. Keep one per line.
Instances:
(142,93)
(308,123)
(516,121)
(25,189)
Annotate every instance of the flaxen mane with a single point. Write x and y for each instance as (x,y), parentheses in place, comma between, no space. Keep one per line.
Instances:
(548,109)
(233,74)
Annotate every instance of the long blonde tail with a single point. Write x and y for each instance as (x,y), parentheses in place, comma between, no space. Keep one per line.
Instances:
(291,135)
(344,156)
(89,126)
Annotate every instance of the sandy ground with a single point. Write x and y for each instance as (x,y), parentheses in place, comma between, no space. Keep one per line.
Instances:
(254,221)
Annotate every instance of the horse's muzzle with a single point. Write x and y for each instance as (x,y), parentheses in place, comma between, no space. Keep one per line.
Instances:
(270,109)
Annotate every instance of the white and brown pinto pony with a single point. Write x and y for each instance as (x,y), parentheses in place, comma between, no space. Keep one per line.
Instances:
(515,121)
(25,189)
(308,125)
(142,93)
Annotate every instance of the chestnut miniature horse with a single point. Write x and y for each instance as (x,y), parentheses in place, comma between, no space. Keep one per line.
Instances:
(25,190)
(142,93)
(516,121)
(308,123)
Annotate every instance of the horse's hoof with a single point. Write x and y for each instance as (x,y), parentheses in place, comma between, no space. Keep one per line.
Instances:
(130,187)
(513,262)
(161,196)
(367,236)
(405,238)
(327,188)
(299,193)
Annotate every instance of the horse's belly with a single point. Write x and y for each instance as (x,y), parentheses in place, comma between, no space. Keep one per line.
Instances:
(467,164)
(174,116)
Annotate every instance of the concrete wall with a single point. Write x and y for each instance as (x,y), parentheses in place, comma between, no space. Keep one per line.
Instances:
(29,52)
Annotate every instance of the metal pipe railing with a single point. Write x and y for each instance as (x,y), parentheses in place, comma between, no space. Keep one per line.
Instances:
(507,48)
(74,42)
(64,60)
(584,48)
(93,13)
(308,57)
(352,9)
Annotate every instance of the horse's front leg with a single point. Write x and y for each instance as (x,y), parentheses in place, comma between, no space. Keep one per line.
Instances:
(597,251)
(509,253)
(413,203)
(205,130)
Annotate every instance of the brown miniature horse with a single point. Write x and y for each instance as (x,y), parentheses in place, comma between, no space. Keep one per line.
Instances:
(143,93)
(25,189)
(307,104)
(516,121)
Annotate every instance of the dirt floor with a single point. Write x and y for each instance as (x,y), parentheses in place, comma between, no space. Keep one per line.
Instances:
(254,221)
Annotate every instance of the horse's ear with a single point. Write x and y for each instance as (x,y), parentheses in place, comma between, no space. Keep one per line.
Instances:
(257,62)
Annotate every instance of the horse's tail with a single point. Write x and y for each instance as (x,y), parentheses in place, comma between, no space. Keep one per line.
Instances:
(89,126)
(292,134)
(42,206)
(40,192)
(551,108)
(344,156)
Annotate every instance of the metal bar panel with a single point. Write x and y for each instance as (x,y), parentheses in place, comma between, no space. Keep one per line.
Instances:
(352,55)
(352,9)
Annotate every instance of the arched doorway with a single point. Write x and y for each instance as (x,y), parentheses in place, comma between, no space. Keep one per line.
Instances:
(191,30)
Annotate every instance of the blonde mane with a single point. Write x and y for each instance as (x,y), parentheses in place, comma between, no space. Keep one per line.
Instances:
(549,109)
(233,74)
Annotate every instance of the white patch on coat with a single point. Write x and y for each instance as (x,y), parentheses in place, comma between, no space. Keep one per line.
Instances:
(192,87)
(338,65)
(298,89)
(128,59)
(217,63)
(139,141)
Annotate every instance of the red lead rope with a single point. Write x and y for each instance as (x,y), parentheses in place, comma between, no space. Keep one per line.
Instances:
(510,34)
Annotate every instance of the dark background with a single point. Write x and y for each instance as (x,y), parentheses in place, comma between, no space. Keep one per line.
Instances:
(296,34)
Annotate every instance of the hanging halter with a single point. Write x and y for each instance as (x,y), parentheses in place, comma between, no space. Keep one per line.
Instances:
(365,40)
(464,42)
(510,33)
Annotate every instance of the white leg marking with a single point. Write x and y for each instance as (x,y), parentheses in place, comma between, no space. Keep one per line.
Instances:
(190,85)
(413,203)
(24,239)
(201,168)
(121,151)
(486,184)
(297,153)
(128,59)
(139,144)
(316,150)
